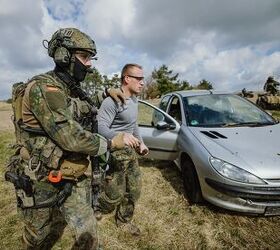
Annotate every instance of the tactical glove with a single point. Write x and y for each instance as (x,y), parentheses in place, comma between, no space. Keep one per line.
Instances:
(116,94)
(118,142)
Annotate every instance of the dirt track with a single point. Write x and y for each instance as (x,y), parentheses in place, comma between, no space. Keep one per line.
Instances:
(5,120)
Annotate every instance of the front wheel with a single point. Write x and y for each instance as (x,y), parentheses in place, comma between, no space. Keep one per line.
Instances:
(191,182)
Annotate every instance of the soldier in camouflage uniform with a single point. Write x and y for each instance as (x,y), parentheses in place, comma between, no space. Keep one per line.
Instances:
(271,85)
(53,124)
(122,183)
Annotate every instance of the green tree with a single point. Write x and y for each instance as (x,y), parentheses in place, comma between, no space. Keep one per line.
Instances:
(9,100)
(115,82)
(165,79)
(93,82)
(204,84)
(151,89)
(185,85)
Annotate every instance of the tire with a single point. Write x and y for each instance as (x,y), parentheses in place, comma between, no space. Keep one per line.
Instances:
(191,182)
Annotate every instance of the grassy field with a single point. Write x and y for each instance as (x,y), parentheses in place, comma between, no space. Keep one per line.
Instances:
(4,106)
(275,113)
(164,215)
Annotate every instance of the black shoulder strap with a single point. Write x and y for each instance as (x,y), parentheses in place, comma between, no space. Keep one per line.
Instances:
(74,86)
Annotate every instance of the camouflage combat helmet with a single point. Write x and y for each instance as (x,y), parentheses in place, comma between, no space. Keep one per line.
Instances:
(65,41)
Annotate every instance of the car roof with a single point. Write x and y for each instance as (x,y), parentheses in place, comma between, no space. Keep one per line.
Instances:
(184,93)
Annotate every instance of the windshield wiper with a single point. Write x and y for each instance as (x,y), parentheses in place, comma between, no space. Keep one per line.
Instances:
(230,124)
(248,124)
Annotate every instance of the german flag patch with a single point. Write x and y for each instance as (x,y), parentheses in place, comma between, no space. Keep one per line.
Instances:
(52,88)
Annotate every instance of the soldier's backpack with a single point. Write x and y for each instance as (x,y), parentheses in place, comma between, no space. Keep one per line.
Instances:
(18,90)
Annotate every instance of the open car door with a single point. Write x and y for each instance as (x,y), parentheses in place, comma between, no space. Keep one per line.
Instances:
(159,132)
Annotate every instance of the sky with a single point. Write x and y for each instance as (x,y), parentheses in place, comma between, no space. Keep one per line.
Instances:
(232,44)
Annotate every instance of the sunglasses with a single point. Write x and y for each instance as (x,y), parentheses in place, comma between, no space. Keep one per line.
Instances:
(138,78)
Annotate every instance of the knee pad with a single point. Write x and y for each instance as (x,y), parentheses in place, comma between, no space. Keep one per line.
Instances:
(107,205)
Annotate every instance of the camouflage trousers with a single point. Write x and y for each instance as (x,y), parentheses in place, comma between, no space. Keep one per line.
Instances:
(122,184)
(44,226)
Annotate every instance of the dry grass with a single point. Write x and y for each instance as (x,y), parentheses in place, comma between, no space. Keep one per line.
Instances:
(275,113)
(166,219)
(5,115)
(5,106)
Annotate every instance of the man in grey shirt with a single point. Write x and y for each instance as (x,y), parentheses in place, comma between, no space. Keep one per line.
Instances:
(122,184)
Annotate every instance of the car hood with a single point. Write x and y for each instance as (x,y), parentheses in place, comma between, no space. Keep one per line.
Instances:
(255,149)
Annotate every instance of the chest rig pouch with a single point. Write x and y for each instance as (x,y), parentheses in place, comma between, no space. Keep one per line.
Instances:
(45,155)
(82,112)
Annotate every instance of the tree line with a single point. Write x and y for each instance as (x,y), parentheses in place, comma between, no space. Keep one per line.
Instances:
(160,82)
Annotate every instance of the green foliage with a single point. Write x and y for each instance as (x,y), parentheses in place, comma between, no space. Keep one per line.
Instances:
(95,81)
(185,85)
(115,82)
(151,89)
(165,79)
(204,84)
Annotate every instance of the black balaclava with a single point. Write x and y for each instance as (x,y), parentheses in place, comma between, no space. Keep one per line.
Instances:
(79,70)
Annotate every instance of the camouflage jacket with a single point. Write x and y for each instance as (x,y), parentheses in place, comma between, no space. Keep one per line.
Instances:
(49,105)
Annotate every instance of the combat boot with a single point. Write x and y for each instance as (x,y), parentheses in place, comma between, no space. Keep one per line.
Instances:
(98,214)
(128,227)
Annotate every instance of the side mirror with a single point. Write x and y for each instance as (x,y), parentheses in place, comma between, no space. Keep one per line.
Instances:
(161,125)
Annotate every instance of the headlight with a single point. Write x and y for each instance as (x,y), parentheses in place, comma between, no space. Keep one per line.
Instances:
(234,173)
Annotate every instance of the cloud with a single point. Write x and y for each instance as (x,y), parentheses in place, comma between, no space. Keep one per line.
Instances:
(109,20)
(229,69)
(160,24)
(21,50)
(233,44)
(66,9)
(20,33)
(20,41)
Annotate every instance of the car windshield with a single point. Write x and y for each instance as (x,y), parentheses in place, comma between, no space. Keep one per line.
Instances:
(224,110)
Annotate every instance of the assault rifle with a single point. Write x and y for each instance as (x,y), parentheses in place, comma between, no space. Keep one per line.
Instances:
(96,175)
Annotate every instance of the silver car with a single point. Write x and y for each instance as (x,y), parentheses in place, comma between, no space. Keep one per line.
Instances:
(228,149)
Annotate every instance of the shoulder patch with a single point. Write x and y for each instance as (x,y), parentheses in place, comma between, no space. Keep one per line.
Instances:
(52,88)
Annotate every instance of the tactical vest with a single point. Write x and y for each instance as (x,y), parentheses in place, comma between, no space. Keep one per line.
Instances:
(34,148)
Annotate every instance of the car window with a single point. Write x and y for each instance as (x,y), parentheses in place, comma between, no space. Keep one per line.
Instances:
(145,115)
(149,117)
(164,102)
(174,109)
(223,110)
